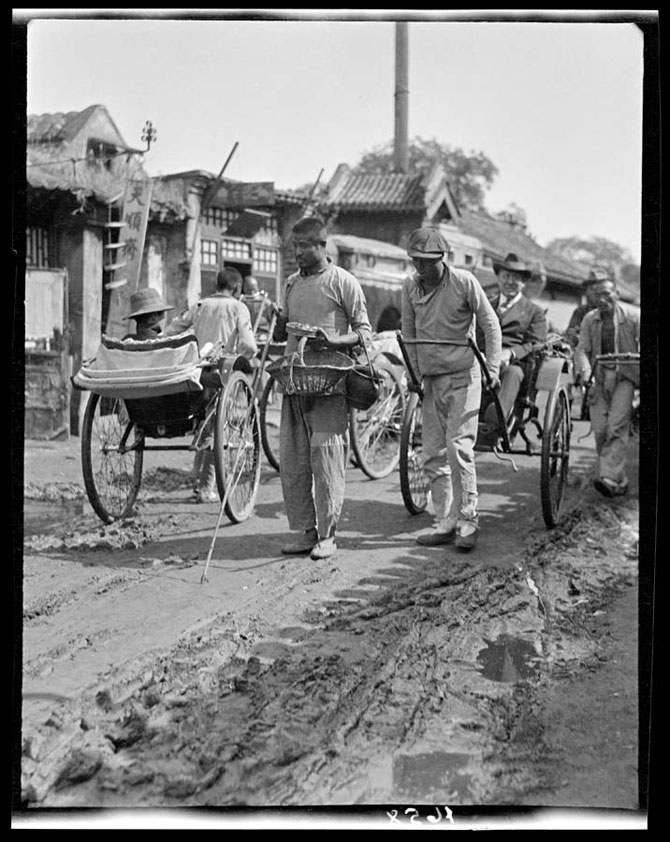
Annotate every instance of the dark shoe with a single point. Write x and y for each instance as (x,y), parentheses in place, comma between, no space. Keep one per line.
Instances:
(324,549)
(609,488)
(436,539)
(465,539)
(304,544)
(606,487)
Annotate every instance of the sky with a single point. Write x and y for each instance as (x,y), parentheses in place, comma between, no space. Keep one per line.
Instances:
(555,105)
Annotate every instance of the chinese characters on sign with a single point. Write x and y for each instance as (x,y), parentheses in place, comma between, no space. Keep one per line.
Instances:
(136,204)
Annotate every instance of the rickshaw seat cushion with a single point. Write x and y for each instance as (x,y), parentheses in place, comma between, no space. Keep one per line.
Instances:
(138,369)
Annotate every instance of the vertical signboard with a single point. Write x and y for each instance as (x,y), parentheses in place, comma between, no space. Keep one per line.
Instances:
(136,203)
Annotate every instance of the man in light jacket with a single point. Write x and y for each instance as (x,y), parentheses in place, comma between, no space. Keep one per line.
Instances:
(612,328)
(440,303)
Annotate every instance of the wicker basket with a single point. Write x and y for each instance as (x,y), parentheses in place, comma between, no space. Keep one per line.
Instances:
(310,373)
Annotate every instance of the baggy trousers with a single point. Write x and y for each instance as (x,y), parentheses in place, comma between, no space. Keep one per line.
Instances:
(450,418)
(610,408)
(313,453)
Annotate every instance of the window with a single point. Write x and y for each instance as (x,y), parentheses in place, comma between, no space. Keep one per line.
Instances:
(265,260)
(370,261)
(37,247)
(220,217)
(468,260)
(209,252)
(235,248)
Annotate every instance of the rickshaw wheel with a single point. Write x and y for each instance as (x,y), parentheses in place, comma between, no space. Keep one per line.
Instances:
(270,404)
(555,456)
(414,484)
(237,447)
(112,479)
(375,432)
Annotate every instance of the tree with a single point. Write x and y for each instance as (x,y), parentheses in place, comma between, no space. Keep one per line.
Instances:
(514,215)
(594,251)
(469,175)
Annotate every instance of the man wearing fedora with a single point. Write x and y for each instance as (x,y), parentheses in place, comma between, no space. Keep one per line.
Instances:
(441,303)
(524,328)
(148,309)
(219,317)
(611,328)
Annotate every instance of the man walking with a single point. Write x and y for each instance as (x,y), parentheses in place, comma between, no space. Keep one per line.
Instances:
(612,328)
(440,303)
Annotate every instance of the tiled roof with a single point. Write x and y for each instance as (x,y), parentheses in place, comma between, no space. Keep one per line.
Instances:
(56,128)
(500,238)
(377,191)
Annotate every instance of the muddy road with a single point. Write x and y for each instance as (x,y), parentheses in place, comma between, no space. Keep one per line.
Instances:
(390,674)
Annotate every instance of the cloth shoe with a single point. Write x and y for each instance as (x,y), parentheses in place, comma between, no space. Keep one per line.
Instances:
(324,549)
(466,536)
(207,497)
(304,544)
(444,532)
(609,488)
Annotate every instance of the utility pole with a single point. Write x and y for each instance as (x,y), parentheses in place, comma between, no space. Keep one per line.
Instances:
(400,147)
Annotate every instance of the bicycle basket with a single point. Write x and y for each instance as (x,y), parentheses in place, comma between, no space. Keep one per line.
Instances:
(310,373)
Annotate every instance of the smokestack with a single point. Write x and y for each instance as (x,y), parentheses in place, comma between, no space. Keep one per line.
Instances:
(400,147)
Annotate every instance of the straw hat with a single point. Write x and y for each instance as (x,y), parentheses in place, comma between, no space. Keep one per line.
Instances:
(146,301)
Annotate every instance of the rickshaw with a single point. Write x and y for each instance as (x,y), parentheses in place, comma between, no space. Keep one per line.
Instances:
(164,389)
(539,425)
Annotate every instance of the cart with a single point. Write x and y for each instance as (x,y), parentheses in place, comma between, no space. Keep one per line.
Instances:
(539,425)
(161,390)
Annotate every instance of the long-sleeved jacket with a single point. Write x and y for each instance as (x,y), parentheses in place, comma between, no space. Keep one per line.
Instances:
(448,313)
(524,327)
(576,319)
(332,299)
(626,340)
(218,318)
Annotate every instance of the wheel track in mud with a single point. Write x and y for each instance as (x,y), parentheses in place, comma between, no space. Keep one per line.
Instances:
(318,723)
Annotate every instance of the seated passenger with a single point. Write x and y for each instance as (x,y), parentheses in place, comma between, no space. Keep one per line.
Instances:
(148,309)
(524,328)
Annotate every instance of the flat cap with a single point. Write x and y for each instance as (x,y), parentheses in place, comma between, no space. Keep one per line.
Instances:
(426,242)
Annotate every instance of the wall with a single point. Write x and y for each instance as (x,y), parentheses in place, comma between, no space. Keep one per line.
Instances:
(388,227)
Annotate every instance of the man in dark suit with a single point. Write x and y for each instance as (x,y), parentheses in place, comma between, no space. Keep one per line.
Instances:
(524,328)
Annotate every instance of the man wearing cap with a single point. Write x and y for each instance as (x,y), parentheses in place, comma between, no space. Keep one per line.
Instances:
(572,330)
(611,328)
(219,317)
(441,303)
(314,430)
(524,328)
(148,309)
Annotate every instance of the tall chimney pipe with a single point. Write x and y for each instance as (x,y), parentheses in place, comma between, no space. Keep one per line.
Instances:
(400,147)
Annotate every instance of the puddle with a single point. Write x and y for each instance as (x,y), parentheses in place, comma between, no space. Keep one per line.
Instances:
(426,776)
(42,517)
(507,659)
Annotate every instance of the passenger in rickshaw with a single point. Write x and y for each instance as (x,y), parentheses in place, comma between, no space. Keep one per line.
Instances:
(219,317)
(524,329)
(148,310)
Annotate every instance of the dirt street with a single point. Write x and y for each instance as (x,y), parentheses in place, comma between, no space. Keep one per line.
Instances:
(390,674)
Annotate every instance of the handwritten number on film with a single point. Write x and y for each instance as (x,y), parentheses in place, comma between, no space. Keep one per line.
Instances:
(416,819)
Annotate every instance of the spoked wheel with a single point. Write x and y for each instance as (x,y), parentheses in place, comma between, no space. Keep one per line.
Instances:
(270,415)
(555,456)
(237,448)
(111,456)
(414,484)
(375,432)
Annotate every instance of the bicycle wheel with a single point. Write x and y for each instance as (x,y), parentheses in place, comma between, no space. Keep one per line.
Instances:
(269,408)
(112,456)
(414,484)
(237,447)
(375,432)
(555,456)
